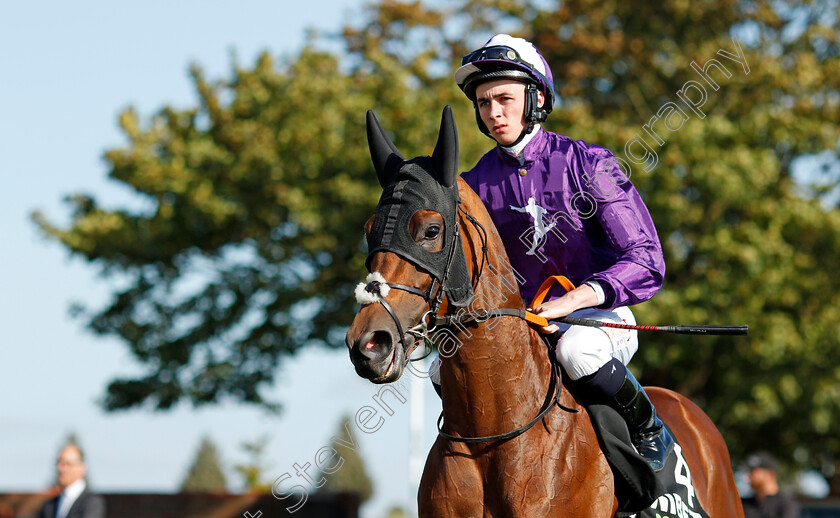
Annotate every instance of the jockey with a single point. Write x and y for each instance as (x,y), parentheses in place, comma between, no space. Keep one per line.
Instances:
(563,206)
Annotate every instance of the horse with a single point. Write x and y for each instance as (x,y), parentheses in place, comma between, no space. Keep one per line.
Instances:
(496,372)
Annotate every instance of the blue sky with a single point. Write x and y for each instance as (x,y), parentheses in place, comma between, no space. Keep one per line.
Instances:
(68,69)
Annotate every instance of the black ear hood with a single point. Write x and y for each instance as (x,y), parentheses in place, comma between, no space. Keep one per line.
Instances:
(409,186)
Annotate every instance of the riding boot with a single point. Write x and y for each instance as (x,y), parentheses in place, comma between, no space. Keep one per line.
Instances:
(651,438)
(615,386)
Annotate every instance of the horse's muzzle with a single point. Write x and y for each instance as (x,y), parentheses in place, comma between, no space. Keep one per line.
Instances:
(377,356)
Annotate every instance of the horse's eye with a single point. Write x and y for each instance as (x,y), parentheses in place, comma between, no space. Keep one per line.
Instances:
(432,232)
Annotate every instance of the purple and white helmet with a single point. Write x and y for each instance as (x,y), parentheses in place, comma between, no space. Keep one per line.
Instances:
(506,57)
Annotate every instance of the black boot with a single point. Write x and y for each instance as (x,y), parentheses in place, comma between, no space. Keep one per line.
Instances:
(649,434)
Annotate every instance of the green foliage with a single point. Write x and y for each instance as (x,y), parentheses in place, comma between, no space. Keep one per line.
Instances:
(397,512)
(352,476)
(253,471)
(257,205)
(205,474)
(258,195)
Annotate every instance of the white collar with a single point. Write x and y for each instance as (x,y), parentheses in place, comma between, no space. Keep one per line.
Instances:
(516,149)
(75,489)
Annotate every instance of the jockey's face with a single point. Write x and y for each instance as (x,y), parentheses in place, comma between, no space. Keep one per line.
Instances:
(501,105)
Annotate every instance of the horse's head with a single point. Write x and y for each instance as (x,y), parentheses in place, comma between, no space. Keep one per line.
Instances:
(415,256)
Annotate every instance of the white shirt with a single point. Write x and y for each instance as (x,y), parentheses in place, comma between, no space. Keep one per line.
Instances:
(68,497)
(599,292)
(516,150)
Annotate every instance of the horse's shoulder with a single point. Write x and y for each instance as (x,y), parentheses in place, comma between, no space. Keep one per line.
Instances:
(669,399)
(664,393)
(682,414)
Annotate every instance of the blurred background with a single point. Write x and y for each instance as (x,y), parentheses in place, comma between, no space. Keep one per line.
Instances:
(187,185)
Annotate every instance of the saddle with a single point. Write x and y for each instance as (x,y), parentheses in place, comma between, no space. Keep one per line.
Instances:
(641,492)
(636,484)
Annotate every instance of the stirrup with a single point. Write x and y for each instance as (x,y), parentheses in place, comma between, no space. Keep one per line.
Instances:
(655,447)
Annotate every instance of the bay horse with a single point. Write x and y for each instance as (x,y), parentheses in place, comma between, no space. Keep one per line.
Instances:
(499,376)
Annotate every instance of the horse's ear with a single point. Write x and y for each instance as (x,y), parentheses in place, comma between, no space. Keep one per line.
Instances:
(446,149)
(383,152)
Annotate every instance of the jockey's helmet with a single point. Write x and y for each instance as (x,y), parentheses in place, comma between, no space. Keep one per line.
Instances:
(506,57)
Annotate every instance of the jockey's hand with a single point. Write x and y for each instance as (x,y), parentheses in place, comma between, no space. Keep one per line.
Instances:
(581,297)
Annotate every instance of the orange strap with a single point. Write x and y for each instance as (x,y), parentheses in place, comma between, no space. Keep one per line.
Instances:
(540,296)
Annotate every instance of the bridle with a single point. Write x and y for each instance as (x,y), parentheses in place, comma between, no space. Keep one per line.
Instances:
(433,296)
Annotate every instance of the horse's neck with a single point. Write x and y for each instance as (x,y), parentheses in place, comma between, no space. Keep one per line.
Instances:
(494,278)
(498,371)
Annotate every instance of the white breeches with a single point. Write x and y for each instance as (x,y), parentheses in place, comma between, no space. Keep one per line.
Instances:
(583,350)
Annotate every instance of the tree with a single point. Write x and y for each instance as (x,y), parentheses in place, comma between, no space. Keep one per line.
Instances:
(397,512)
(252,471)
(746,240)
(205,473)
(351,474)
(258,205)
(258,194)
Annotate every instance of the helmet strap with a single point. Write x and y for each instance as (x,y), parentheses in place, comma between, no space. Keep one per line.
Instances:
(533,113)
(525,131)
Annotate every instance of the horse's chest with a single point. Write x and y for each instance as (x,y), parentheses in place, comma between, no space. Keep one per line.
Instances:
(546,479)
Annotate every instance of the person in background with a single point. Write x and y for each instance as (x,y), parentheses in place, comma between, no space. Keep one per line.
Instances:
(75,499)
(768,501)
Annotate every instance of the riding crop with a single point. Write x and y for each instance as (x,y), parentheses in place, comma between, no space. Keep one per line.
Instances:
(680,329)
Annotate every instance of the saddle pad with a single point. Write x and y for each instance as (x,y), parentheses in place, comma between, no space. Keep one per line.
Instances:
(641,492)
(679,500)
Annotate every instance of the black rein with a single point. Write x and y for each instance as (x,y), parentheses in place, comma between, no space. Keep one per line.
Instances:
(556,382)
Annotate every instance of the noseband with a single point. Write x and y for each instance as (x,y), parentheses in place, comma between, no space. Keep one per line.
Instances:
(376,288)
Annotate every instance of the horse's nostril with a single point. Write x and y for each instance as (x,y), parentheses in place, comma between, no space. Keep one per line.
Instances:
(376,344)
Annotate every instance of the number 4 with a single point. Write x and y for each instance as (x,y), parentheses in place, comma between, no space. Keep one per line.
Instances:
(682,475)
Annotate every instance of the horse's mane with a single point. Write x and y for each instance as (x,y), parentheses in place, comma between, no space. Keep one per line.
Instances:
(497,258)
